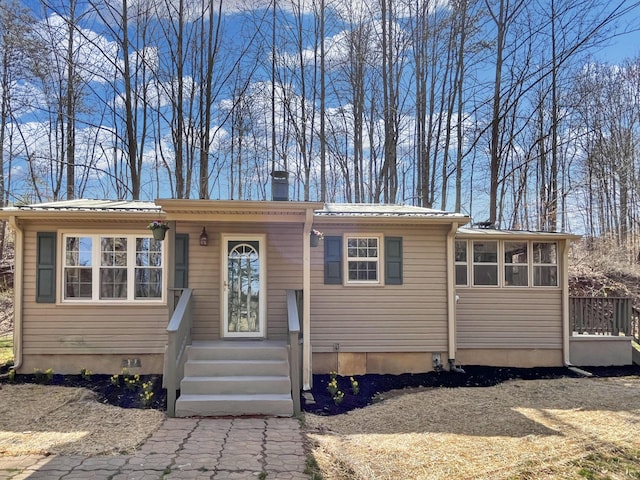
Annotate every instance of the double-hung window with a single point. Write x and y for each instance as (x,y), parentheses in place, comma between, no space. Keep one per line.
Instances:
(485,263)
(461,263)
(78,267)
(363,259)
(516,261)
(545,264)
(112,268)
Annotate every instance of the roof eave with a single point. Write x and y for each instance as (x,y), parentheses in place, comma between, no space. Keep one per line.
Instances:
(237,210)
(516,235)
(97,216)
(392,219)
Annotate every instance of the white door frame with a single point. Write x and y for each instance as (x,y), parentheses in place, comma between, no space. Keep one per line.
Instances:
(262,287)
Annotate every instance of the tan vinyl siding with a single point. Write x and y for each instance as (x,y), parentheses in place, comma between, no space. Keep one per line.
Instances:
(509,318)
(411,317)
(85,328)
(204,279)
(66,328)
(283,269)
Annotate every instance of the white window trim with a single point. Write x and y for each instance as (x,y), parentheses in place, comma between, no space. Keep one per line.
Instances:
(465,264)
(534,265)
(346,259)
(224,259)
(501,265)
(472,280)
(503,279)
(95,270)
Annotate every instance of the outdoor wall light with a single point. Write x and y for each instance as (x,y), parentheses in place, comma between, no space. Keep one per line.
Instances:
(204,238)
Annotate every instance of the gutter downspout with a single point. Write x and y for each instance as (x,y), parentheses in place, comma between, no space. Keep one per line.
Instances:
(451,296)
(566,353)
(306,301)
(17,292)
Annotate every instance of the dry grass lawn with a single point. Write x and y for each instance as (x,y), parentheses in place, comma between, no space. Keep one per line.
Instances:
(40,419)
(6,349)
(563,428)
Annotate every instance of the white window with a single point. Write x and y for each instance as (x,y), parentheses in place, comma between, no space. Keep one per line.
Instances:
(78,267)
(516,261)
(485,263)
(461,263)
(545,264)
(363,259)
(112,268)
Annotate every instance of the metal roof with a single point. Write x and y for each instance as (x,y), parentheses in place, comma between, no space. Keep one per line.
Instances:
(344,211)
(85,205)
(496,233)
(383,210)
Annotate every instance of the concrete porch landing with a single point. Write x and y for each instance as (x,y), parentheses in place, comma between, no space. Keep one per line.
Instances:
(236,378)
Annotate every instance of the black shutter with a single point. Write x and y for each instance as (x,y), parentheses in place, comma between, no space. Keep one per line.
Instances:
(181,260)
(46,267)
(393,260)
(333,260)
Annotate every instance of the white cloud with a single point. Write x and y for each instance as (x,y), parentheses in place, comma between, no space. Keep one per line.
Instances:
(192,10)
(93,54)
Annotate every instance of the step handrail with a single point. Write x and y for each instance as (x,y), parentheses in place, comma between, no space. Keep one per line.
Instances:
(178,338)
(295,350)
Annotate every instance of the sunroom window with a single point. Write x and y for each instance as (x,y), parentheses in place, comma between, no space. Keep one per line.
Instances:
(516,271)
(485,263)
(461,263)
(112,268)
(545,264)
(363,259)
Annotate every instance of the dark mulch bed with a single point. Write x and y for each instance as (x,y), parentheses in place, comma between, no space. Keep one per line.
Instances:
(372,388)
(120,395)
(375,388)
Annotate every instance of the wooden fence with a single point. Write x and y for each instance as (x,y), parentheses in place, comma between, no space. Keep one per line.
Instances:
(602,315)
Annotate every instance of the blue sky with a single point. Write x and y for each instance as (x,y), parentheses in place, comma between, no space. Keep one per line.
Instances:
(155,183)
(625,45)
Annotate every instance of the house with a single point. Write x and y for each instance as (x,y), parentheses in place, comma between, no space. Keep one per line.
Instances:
(238,309)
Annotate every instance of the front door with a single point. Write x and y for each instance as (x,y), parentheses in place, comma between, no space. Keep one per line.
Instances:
(244,299)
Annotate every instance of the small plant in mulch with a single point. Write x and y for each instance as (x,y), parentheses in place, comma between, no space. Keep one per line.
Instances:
(332,387)
(140,391)
(43,378)
(146,395)
(372,388)
(131,382)
(6,367)
(355,386)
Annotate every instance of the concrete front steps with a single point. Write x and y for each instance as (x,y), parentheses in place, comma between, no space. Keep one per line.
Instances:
(236,378)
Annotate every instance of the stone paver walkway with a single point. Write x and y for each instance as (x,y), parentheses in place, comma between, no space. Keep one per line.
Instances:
(184,448)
